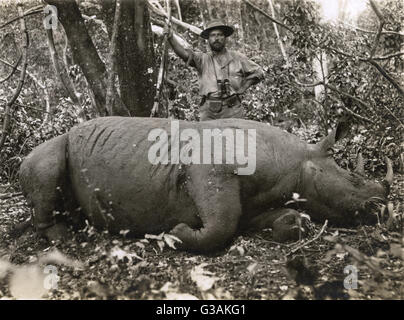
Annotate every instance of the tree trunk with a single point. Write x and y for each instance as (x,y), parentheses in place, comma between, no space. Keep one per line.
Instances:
(83,50)
(135,55)
(278,37)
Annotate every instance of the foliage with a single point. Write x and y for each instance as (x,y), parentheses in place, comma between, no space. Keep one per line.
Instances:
(96,265)
(29,131)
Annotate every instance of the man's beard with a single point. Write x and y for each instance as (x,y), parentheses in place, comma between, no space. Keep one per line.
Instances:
(217,46)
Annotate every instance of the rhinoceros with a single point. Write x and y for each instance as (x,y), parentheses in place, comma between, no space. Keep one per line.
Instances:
(101,170)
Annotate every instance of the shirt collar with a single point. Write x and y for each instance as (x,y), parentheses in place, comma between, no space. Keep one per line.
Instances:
(224,55)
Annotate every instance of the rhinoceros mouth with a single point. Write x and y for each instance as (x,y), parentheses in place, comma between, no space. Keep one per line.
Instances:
(370,211)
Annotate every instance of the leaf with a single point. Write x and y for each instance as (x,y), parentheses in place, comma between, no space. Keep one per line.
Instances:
(124,232)
(237,250)
(204,279)
(306,216)
(252,268)
(171,292)
(120,254)
(161,245)
(140,245)
(154,237)
(171,240)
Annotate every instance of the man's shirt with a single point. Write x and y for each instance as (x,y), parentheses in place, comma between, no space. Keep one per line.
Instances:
(228,64)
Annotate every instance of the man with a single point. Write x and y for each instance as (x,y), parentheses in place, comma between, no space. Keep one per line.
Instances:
(224,75)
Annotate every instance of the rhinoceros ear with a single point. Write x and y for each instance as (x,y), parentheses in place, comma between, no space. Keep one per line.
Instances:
(340,132)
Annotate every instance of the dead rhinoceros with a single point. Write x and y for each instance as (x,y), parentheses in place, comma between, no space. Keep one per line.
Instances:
(104,168)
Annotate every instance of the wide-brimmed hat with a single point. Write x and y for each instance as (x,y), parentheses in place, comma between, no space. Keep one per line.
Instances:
(217,24)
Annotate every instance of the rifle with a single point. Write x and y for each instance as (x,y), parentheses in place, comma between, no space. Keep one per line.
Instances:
(162,70)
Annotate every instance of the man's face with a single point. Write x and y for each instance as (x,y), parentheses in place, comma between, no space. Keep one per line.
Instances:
(217,40)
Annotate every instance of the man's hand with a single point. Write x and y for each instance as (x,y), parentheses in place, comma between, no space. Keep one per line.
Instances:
(175,44)
(168,31)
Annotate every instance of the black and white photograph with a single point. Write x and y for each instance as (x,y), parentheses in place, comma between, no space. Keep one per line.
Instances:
(223,152)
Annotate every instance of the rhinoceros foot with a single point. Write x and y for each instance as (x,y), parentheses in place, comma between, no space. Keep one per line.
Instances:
(57,232)
(286,227)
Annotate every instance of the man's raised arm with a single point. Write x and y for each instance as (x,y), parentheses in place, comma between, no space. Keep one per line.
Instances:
(175,43)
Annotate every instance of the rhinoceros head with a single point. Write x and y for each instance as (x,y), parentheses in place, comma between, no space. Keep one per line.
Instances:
(343,197)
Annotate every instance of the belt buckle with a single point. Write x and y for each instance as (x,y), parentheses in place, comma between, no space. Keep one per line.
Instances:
(215,105)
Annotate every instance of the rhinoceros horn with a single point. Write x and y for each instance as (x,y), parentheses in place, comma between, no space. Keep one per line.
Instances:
(360,166)
(389,174)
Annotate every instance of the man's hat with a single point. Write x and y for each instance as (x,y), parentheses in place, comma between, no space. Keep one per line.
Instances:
(217,24)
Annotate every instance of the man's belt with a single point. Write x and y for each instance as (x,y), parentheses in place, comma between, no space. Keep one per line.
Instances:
(229,101)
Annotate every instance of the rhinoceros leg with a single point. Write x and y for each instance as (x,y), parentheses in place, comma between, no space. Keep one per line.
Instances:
(43,180)
(284,224)
(216,197)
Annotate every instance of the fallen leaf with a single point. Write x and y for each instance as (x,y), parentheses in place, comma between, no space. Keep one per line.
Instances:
(204,279)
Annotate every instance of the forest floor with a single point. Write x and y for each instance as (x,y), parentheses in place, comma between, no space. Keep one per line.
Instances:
(96,265)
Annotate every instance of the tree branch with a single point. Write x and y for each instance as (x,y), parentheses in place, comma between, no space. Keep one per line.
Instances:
(12,71)
(387,76)
(111,64)
(63,76)
(268,16)
(380,28)
(6,123)
(389,56)
(341,93)
(31,11)
(159,31)
(160,11)
(372,31)
(278,37)
(363,59)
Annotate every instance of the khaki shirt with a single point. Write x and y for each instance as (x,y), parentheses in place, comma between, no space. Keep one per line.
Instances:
(227,65)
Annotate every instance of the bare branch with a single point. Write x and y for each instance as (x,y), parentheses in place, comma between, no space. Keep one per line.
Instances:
(31,11)
(278,37)
(380,28)
(268,16)
(63,77)
(111,64)
(387,76)
(6,123)
(160,11)
(393,55)
(36,82)
(377,11)
(311,240)
(159,31)
(352,113)
(371,31)
(357,100)
(12,71)
(177,4)
(363,103)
